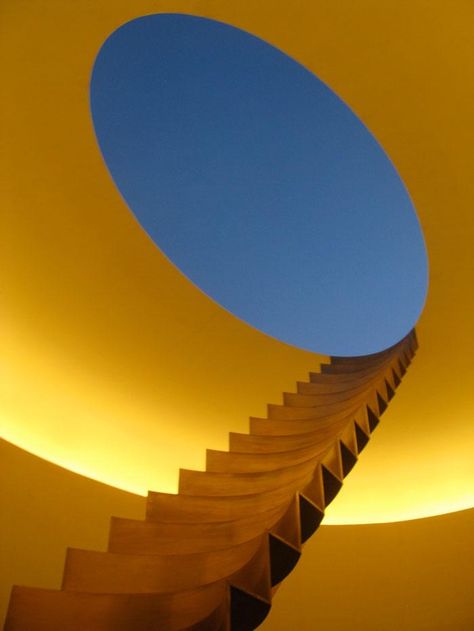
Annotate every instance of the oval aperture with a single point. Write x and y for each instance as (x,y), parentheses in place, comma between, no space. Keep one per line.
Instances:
(259,184)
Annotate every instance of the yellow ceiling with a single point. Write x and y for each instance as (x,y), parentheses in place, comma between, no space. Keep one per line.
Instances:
(116,366)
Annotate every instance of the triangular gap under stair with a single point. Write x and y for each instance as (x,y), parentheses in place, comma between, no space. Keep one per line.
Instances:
(332,460)
(401,367)
(381,403)
(254,577)
(348,437)
(310,517)
(396,378)
(247,612)
(283,558)
(361,437)
(372,418)
(348,458)
(314,490)
(362,420)
(331,484)
(397,373)
(288,526)
(390,391)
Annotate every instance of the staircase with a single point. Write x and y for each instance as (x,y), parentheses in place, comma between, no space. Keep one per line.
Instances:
(212,556)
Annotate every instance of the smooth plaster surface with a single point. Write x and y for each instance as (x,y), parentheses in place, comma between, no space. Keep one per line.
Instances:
(406,68)
(84,291)
(414,575)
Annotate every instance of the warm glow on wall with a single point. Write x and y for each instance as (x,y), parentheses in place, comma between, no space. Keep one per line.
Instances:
(116,367)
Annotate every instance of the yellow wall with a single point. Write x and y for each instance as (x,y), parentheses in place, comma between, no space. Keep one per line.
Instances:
(122,358)
(413,575)
(115,366)
(130,370)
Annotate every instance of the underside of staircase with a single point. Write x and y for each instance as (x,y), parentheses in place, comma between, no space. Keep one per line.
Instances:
(212,556)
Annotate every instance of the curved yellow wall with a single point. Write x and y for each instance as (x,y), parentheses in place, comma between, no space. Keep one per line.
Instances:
(116,367)
(414,575)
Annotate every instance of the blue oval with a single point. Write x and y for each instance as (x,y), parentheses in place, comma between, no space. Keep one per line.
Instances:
(259,183)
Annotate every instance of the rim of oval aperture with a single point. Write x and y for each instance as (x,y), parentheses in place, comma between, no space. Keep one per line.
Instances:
(259,184)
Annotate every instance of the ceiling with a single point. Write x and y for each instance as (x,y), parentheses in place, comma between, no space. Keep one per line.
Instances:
(116,366)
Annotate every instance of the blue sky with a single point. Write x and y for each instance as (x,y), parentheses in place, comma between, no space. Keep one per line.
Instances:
(259,184)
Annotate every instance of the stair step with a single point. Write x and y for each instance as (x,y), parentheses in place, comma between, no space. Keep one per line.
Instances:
(281,412)
(112,573)
(213,508)
(209,483)
(232,462)
(328,427)
(130,536)
(33,609)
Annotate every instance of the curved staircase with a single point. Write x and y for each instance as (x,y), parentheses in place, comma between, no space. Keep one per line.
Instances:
(212,556)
